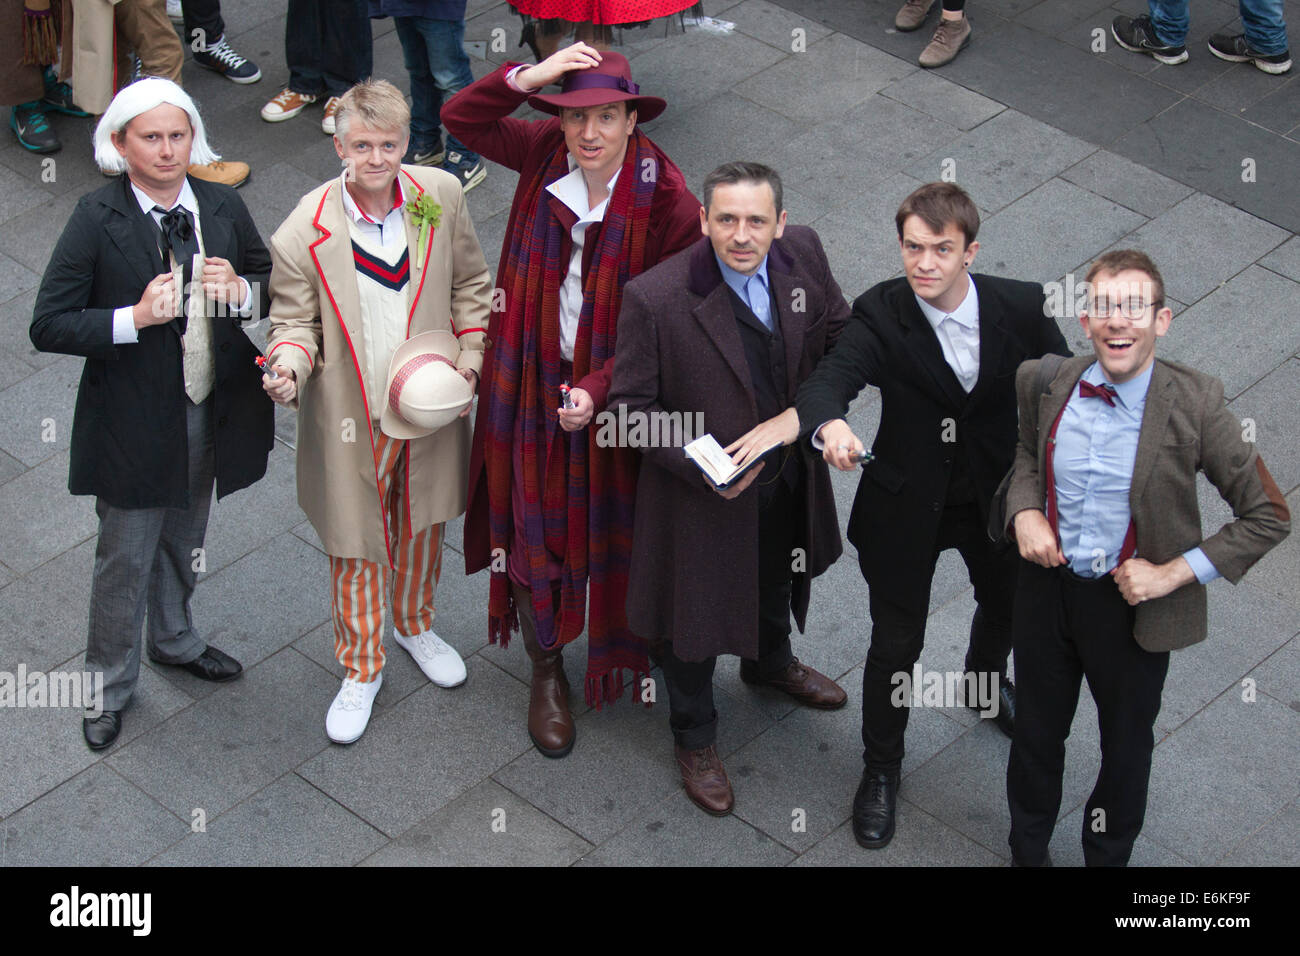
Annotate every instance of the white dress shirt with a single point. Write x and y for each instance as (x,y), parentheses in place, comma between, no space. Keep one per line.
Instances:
(572,191)
(387,233)
(124,330)
(959,334)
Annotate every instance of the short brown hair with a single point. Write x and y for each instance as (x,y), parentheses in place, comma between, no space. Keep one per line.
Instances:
(377,104)
(939,204)
(729,174)
(1121,260)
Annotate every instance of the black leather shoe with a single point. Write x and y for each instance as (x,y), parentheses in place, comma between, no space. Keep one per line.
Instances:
(874,806)
(1047,860)
(1005,718)
(103,730)
(214,665)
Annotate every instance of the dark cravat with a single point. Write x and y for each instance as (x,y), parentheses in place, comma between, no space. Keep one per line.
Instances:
(178,238)
(1106,392)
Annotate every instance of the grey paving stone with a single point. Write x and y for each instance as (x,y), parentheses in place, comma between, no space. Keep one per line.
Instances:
(429,749)
(30,236)
(1003,159)
(15,278)
(1214,780)
(94,819)
(1270,404)
(39,519)
(1066,846)
(678,833)
(1245,627)
(235,741)
(1277,572)
(5,576)
(812,761)
(1200,244)
(495,194)
(774,25)
(487,825)
(273,191)
(1205,148)
(1276,843)
(1279,109)
(860,237)
(44,613)
(15,320)
(12,369)
(42,747)
(697,67)
(1052,16)
(36,413)
(1011,242)
(9,467)
(965,784)
(263,513)
(19,192)
(935,96)
(307,533)
(1240,87)
(919,840)
(289,823)
(1126,183)
(1285,259)
(1240,332)
(1279,676)
(731,120)
(620,767)
(824,82)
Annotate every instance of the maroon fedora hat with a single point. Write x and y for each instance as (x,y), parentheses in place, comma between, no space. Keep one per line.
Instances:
(610,81)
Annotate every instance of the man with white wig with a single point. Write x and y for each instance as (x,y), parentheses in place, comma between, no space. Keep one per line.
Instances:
(149,282)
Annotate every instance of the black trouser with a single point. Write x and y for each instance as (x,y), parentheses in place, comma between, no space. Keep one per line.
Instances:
(1068,627)
(327,45)
(203,16)
(691,714)
(898,631)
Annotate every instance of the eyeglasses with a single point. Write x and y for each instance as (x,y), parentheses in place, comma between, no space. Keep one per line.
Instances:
(1128,308)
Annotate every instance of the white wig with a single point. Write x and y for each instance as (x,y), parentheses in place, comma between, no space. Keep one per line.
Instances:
(140,97)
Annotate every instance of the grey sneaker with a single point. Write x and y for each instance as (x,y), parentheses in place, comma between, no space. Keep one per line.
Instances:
(912,14)
(1235,49)
(950,37)
(1138,35)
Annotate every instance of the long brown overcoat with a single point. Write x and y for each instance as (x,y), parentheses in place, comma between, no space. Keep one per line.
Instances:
(694,574)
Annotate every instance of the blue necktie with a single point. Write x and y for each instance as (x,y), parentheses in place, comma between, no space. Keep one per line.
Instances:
(758,300)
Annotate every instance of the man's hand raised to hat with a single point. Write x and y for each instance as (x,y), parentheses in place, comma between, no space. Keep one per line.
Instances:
(283,389)
(580,56)
(471,376)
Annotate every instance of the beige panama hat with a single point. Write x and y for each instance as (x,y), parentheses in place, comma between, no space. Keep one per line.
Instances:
(424,391)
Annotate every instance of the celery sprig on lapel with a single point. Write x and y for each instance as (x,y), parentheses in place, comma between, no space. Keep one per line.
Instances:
(425,214)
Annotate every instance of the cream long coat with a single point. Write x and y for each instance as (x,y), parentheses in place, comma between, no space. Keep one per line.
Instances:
(316,332)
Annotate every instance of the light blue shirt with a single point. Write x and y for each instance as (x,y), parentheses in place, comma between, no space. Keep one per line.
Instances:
(1096,445)
(752,289)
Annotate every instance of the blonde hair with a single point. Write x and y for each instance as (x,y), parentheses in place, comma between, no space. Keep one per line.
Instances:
(140,97)
(377,104)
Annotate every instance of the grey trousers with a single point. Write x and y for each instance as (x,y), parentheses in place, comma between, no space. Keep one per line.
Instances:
(145,558)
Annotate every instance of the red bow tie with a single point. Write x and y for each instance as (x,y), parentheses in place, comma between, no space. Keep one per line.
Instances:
(1105,392)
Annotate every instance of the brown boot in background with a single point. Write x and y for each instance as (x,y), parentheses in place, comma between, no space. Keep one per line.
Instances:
(550,725)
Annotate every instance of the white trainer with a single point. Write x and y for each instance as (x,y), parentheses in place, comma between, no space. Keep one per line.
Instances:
(350,711)
(175,12)
(438,659)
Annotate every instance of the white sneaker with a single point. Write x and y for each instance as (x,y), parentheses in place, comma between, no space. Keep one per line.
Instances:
(350,711)
(174,12)
(438,659)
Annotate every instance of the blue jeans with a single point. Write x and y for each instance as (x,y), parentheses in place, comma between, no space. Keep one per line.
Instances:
(1263,19)
(436,60)
(327,45)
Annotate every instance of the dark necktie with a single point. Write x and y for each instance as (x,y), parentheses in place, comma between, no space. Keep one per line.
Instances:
(178,238)
(1106,392)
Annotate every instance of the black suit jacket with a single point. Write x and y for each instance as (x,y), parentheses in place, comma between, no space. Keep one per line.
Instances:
(889,343)
(129,443)
(694,577)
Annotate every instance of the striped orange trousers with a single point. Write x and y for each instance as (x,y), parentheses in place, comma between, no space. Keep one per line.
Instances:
(361,588)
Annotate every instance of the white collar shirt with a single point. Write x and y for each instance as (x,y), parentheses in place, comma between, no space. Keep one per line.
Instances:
(958,332)
(571,190)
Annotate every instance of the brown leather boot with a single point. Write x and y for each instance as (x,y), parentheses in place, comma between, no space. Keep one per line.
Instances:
(550,725)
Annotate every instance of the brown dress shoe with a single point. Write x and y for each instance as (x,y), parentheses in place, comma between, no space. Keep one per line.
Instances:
(226,173)
(809,687)
(705,780)
(550,725)
(950,38)
(912,14)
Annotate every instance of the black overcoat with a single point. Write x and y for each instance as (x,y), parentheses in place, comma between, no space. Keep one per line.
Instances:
(129,442)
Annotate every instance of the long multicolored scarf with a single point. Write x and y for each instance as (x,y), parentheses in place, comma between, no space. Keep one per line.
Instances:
(583,512)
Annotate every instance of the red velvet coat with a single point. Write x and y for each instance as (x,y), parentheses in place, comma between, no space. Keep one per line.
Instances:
(479,116)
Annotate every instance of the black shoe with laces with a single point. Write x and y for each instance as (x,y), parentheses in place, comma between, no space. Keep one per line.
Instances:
(874,806)
(220,58)
(33,129)
(1138,35)
(1234,48)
